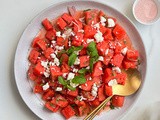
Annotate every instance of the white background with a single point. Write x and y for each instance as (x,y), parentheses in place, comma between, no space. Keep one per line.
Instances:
(14,17)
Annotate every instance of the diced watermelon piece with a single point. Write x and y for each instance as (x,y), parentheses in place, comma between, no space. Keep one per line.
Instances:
(77,39)
(89,31)
(132,55)
(48,52)
(39,69)
(65,68)
(83,52)
(68,112)
(117,101)
(101,95)
(91,16)
(31,75)
(107,75)
(129,64)
(77,26)
(121,78)
(101,14)
(83,110)
(87,86)
(97,69)
(51,34)
(87,95)
(61,41)
(55,71)
(48,95)
(37,89)
(64,58)
(61,101)
(67,18)
(33,56)
(103,29)
(51,107)
(73,93)
(108,90)
(84,61)
(95,102)
(117,60)
(34,42)
(47,24)
(61,23)
(102,47)
(119,32)
(108,35)
(41,44)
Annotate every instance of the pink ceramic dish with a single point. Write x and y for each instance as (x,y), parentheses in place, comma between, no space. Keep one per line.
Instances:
(21,61)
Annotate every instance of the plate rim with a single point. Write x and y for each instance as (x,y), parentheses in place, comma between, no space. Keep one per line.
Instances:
(68,1)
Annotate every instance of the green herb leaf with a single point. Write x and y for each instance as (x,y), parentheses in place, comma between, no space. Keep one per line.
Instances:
(71,88)
(73,48)
(91,62)
(79,79)
(91,46)
(83,71)
(60,53)
(72,59)
(111,106)
(62,81)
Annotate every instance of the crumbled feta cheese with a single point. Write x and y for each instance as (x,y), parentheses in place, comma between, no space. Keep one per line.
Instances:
(112,82)
(53,55)
(90,78)
(46,86)
(99,37)
(100,68)
(97,26)
(44,64)
(117,69)
(70,76)
(69,43)
(102,19)
(56,52)
(46,74)
(77,61)
(58,34)
(82,31)
(58,89)
(53,42)
(101,58)
(88,67)
(51,64)
(94,90)
(86,84)
(106,52)
(56,61)
(63,36)
(124,51)
(80,98)
(89,40)
(59,47)
(75,70)
(111,22)
(64,75)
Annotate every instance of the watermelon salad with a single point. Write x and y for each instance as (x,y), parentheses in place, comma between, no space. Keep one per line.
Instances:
(76,59)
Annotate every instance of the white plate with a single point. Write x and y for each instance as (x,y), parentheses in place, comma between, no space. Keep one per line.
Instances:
(24,85)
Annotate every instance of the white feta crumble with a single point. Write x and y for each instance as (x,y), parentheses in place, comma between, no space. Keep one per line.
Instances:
(56,61)
(59,47)
(111,22)
(94,90)
(75,70)
(101,58)
(117,69)
(64,36)
(100,68)
(70,76)
(51,64)
(77,52)
(124,51)
(46,86)
(74,85)
(106,52)
(112,82)
(77,61)
(102,19)
(99,37)
(53,42)
(81,98)
(97,26)
(89,40)
(69,43)
(58,34)
(88,67)
(53,55)
(44,64)
(46,74)
(90,78)
(82,31)
(64,75)
(58,89)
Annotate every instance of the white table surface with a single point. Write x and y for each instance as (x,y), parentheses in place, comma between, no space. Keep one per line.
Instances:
(14,17)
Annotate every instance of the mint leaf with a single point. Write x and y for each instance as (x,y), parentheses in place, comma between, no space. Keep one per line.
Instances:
(91,62)
(83,71)
(79,79)
(72,59)
(73,48)
(61,80)
(71,88)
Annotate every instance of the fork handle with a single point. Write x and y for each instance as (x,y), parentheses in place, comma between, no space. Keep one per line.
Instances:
(96,110)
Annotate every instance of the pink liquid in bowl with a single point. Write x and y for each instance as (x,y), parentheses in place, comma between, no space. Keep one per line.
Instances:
(146,10)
